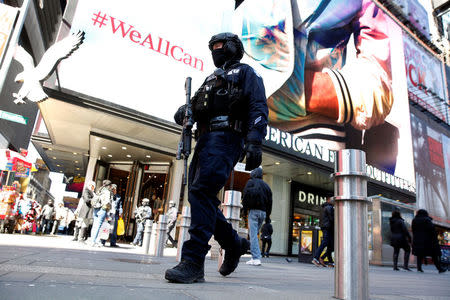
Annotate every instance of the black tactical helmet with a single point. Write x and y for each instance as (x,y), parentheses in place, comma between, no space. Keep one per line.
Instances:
(232,45)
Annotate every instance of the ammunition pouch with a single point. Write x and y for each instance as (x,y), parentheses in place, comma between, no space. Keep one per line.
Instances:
(200,104)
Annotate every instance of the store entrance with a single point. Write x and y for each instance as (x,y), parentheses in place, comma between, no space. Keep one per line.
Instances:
(119,178)
(154,187)
(306,207)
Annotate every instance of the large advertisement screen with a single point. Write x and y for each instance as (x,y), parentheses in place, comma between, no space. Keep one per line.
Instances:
(426,79)
(334,74)
(139,53)
(431,159)
(334,71)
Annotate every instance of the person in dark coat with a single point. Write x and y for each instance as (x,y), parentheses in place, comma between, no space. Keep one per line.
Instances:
(425,242)
(266,237)
(400,239)
(327,227)
(257,202)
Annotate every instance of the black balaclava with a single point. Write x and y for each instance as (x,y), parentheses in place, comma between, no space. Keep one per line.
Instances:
(219,57)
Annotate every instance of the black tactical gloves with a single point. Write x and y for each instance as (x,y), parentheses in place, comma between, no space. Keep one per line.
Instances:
(253,154)
(179,115)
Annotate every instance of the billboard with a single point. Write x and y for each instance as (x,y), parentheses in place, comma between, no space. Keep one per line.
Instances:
(334,74)
(16,121)
(432,168)
(426,79)
(327,67)
(418,16)
(138,54)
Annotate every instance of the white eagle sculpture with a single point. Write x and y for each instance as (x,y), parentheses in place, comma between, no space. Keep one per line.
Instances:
(32,76)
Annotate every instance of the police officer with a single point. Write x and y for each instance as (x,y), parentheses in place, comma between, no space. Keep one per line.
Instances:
(230,109)
(142,214)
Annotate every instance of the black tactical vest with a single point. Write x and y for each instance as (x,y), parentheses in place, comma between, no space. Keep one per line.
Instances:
(218,96)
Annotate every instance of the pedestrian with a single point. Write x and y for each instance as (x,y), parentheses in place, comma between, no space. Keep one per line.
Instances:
(47,214)
(30,217)
(229,108)
(400,239)
(141,214)
(60,214)
(257,204)
(327,226)
(266,237)
(101,205)
(172,215)
(21,208)
(425,242)
(157,206)
(114,215)
(83,212)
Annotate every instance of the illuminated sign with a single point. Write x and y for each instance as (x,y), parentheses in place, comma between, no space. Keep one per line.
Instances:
(138,54)
(309,150)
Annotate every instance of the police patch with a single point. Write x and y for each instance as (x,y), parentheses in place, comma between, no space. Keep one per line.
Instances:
(233,71)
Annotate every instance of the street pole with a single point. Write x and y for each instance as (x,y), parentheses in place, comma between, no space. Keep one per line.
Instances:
(351,228)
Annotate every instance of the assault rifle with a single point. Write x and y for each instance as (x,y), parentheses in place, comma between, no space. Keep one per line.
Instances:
(184,146)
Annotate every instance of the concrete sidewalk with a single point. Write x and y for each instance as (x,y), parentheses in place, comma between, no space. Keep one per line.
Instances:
(35,267)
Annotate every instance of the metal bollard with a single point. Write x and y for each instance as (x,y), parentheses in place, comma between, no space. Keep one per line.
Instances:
(351,231)
(147,235)
(231,209)
(153,240)
(183,235)
(161,235)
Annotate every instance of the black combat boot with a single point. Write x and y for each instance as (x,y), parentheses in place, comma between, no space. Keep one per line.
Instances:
(186,272)
(232,256)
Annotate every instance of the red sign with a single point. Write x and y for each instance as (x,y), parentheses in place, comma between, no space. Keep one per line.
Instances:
(436,152)
(23,152)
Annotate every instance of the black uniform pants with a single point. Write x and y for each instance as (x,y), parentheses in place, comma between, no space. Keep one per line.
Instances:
(214,157)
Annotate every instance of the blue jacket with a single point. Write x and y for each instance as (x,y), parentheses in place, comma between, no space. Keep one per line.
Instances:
(254,92)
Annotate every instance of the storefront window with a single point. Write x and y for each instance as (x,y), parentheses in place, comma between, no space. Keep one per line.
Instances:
(386,213)
(307,202)
(444,241)
(301,220)
(154,188)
